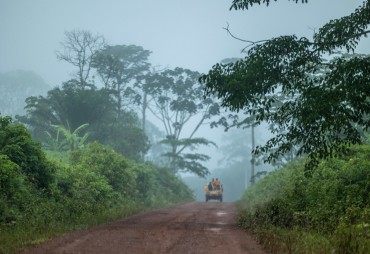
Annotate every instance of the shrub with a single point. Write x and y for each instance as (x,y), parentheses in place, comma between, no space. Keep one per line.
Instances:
(334,201)
(17,144)
(106,162)
(13,191)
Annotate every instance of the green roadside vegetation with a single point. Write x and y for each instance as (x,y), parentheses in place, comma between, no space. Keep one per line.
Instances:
(323,211)
(43,195)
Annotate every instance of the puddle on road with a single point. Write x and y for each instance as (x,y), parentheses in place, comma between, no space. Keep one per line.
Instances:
(217,227)
(215,230)
(221,223)
(220,213)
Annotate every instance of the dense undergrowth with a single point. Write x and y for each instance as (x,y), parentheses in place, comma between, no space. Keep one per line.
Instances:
(326,212)
(44,195)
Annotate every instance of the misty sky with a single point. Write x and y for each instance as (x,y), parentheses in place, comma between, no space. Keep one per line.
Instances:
(182,33)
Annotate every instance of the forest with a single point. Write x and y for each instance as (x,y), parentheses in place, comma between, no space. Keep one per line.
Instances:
(122,135)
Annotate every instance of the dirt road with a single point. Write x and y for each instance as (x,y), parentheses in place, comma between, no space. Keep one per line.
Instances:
(196,227)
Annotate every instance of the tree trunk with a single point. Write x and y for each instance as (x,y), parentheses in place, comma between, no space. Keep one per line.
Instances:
(253,156)
(144,111)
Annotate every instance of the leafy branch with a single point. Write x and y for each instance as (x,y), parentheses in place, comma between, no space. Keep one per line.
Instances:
(324,106)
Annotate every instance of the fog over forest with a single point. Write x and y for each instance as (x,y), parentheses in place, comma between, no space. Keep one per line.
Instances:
(187,34)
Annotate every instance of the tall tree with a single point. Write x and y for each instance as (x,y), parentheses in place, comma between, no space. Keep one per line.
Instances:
(69,104)
(177,102)
(120,68)
(79,48)
(145,99)
(322,114)
(246,122)
(71,107)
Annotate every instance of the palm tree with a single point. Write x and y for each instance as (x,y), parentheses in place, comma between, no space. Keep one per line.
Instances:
(54,144)
(73,139)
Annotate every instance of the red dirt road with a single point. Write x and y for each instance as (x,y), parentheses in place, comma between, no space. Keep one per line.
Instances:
(195,227)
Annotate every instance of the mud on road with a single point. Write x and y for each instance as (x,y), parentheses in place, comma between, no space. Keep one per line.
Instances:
(196,227)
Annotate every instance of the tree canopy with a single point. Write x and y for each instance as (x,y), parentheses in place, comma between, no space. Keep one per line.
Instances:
(73,106)
(110,114)
(120,68)
(245,4)
(176,101)
(325,104)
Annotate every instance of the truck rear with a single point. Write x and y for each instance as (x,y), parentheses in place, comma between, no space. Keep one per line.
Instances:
(215,194)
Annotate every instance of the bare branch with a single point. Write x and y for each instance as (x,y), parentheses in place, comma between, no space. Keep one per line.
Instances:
(78,49)
(251,43)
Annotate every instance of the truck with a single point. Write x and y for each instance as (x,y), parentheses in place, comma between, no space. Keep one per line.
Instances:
(215,193)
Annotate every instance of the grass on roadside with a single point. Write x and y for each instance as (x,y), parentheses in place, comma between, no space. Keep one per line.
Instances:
(278,240)
(16,237)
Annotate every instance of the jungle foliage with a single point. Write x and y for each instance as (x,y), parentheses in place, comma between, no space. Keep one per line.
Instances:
(42,195)
(59,116)
(320,106)
(112,84)
(175,98)
(328,212)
